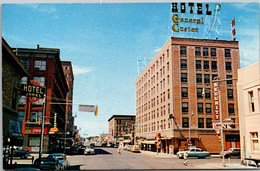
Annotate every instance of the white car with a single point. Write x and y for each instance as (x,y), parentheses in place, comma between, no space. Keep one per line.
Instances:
(62,159)
(89,150)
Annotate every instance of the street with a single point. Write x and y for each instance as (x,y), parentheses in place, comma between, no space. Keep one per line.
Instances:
(107,158)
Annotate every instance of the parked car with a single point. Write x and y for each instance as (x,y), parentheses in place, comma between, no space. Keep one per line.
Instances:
(47,164)
(74,149)
(135,148)
(23,154)
(194,152)
(247,163)
(89,150)
(103,144)
(62,158)
(232,152)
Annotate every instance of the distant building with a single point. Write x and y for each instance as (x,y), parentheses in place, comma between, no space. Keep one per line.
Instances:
(178,81)
(12,72)
(249,110)
(120,126)
(68,73)
(45,67)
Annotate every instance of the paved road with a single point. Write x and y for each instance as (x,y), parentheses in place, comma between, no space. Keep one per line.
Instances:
(107,158)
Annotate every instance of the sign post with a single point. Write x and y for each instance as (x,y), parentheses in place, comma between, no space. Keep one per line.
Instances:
(42,130)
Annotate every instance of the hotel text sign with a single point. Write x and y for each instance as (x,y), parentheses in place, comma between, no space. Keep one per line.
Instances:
(190,8)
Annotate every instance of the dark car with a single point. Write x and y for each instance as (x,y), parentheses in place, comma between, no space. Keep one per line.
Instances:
(48,164)
(23,154)
(62,158)
(232,153)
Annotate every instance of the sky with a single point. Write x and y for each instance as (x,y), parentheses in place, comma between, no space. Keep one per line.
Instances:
(103,41)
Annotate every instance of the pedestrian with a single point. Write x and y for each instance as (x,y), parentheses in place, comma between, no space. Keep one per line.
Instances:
(185,156)
(119,149)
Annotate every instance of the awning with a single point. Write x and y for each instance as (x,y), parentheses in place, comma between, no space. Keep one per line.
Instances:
(149,142)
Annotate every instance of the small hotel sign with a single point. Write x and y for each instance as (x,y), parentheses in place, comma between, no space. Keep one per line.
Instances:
(33,91)
(216,99)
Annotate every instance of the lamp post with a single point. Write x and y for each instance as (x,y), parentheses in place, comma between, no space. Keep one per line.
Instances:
(216,80)
(191,114)
(171,117)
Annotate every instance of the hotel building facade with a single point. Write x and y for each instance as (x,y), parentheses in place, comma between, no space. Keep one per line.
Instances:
(178,81)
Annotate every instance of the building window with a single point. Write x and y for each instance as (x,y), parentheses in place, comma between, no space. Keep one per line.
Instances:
(197,51)
(227,53)
(229,82)
(207,93)
(66,68)
(213,52)
(208,123)
(231,109)
(20,116)
(198,78)
(35,116)
(201,122)
(208,108)
(198,64)
(14,99)
(251,102)
(40,80)
(40,65)
(185,122)
(205,52)
(26,63)
(22,100)
(118,121)
(185,108)
(255,141)
(214,76)
(183,64)
(168,66)
(200,108)
(230,94)
(206,78)
(184,92)
(214,65)
(199,92)
(23,80)
(233,125)
(228,66)
(183,50)
(206,65)
(184,78)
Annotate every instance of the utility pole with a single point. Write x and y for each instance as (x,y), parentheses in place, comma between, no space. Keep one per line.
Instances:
(42,130)
(191,114)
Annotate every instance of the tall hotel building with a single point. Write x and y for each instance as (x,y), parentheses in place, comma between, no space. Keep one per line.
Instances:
(178,81)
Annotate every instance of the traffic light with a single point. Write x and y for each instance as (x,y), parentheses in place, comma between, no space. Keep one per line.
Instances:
(44,138)
(219,139)
(96,110)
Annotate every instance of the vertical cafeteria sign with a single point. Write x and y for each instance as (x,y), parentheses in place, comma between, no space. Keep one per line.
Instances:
(194,17)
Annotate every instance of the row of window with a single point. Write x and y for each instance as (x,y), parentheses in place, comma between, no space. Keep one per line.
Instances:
(200,108)
(39,65)
(204,92)
(206,65)
(205,52)
(184,78)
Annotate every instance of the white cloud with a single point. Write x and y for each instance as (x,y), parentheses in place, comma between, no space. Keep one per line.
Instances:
(77,70)
(248,7)
(42,8)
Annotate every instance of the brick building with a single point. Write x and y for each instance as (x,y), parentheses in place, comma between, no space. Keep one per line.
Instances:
(68,73)
(121,126)
(178,81)
(45,67)
(12,72)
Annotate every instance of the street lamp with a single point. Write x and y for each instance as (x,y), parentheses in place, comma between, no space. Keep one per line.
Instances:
(217,82)
(172,117)
(191,114)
